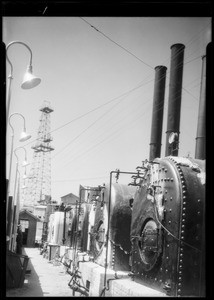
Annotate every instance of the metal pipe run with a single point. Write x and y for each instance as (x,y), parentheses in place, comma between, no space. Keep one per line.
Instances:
(157,114)
(200,135)
(174,102)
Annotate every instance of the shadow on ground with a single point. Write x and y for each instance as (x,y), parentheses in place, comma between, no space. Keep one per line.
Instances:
(31,286)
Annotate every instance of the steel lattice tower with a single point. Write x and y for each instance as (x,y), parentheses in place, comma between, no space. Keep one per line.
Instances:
(38,190)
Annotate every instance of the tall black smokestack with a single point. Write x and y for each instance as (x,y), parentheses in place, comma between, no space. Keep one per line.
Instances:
(157,115)
(174,102)
(200,136)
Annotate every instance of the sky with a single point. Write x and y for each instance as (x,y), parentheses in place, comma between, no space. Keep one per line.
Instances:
(98,75)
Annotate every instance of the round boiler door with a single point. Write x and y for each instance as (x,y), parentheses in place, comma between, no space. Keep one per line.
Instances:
(148,245)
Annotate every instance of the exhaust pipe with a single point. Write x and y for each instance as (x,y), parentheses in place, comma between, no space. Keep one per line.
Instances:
(200,136)
(157,114)
(174,102)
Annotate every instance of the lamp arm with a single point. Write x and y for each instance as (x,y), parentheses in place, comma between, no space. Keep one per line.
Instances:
(17,42)
(23,149)
(19,115)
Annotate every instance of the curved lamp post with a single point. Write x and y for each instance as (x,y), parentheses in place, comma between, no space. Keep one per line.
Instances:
(23,137)
(29,81)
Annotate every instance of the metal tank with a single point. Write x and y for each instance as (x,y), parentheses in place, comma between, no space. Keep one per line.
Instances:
(168,227)
(119,219)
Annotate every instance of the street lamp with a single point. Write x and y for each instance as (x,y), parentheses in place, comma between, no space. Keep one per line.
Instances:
(23,137)
(29,81)
(16,205)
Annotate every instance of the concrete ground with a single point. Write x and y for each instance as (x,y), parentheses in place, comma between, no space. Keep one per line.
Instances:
(45,280)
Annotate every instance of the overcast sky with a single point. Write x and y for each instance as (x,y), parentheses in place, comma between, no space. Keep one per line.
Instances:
(100,82)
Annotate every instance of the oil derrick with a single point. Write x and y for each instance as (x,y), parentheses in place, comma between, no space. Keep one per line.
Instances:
(39,180)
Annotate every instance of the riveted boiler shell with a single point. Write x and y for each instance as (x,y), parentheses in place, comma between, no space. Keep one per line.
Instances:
(73,228)
(84,227)
(168,233)
(119,227)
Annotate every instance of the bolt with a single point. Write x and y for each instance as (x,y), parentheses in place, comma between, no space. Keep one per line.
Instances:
(183,214)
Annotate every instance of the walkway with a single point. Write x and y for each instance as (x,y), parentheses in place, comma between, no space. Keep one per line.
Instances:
(45,280)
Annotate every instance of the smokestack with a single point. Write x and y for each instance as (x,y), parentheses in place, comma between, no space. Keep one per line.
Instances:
(174,102)
(157,114)
(200,136)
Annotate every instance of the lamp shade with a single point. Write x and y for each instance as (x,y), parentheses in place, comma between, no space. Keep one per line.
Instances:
(24,136)
(30,81)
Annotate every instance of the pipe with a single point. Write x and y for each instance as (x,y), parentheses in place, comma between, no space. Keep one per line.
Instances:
(174,102)
(200,136)
(157,114)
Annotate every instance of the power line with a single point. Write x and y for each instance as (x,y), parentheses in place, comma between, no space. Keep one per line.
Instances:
(116,43)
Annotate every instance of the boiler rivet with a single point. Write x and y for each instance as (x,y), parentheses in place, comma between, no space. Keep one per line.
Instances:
(167,257)
(169,222)
(170,198)
(183,214)
(199,200)
(199,212)
(184,208)
(179,278)
(170,210)
(167,245)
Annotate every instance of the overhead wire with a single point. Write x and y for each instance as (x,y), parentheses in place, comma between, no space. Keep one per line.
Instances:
(116,43)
